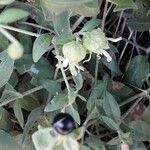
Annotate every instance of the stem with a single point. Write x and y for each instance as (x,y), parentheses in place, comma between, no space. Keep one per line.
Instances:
(32,90)
(102,27)
(77,23)
(38,26)
(143,94)
(96,69)
(132,43)
(62,71)
(123,51)
(120,17)
(104,15)
(9,36)
(131,108)
(19,30)
(65,78)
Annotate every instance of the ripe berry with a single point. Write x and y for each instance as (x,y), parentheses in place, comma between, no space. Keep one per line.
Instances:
(63,123)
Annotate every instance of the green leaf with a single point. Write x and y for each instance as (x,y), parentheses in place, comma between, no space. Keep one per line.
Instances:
(18,113)
(94,114)
(110,123)
(141,13)
(59,101)
(113,65)
(140,131)
(5,43)
(63,39)
(82,7)
(95,143)
(13,79)
(51,86)
(96,94)
(27,144)
(90,25)
(120,91)
(68,2)
(5,122)
(33,116)
(6,68)
(72,96)
(138,70)
(74,113)
(146,114)
(41,69)
(6,2)
(12,14)
(111,107)
(61,23)
(138,25)
(24,38)
(40,46)
(114,141)
(84,147)
(88,9)
(10,94)
(29,103)
(7,142)
(78,81)
(124,4)
(138,146)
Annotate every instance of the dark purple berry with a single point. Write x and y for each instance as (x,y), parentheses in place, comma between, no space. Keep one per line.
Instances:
(63,123)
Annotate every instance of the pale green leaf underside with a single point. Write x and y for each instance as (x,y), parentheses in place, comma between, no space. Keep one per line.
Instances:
(41,46)
(7,142)
(6,68)
(12,14)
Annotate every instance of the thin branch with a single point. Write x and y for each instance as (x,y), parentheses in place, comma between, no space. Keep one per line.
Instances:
(77,23)
(145,93)
(19,30)
(38,26)
(102,27)
(123,51)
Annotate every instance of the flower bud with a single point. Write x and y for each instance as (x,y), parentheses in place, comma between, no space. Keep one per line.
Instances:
(95,41)
(15,51)
(74,52)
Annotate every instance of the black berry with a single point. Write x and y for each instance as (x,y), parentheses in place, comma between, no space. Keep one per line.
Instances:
(63,123)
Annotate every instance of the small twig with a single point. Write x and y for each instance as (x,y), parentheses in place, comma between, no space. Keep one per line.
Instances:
(9,36)
(145,93)
(123,51)
(19,30)
(77,23)
(120,17)
(102,27)
(131,108)
(109,9)
(38,26)
(104,15)
(134,39)
(32,91)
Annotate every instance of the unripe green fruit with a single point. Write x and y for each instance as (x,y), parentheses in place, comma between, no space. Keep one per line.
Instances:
(95,41)
(74,52)
(15,51)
